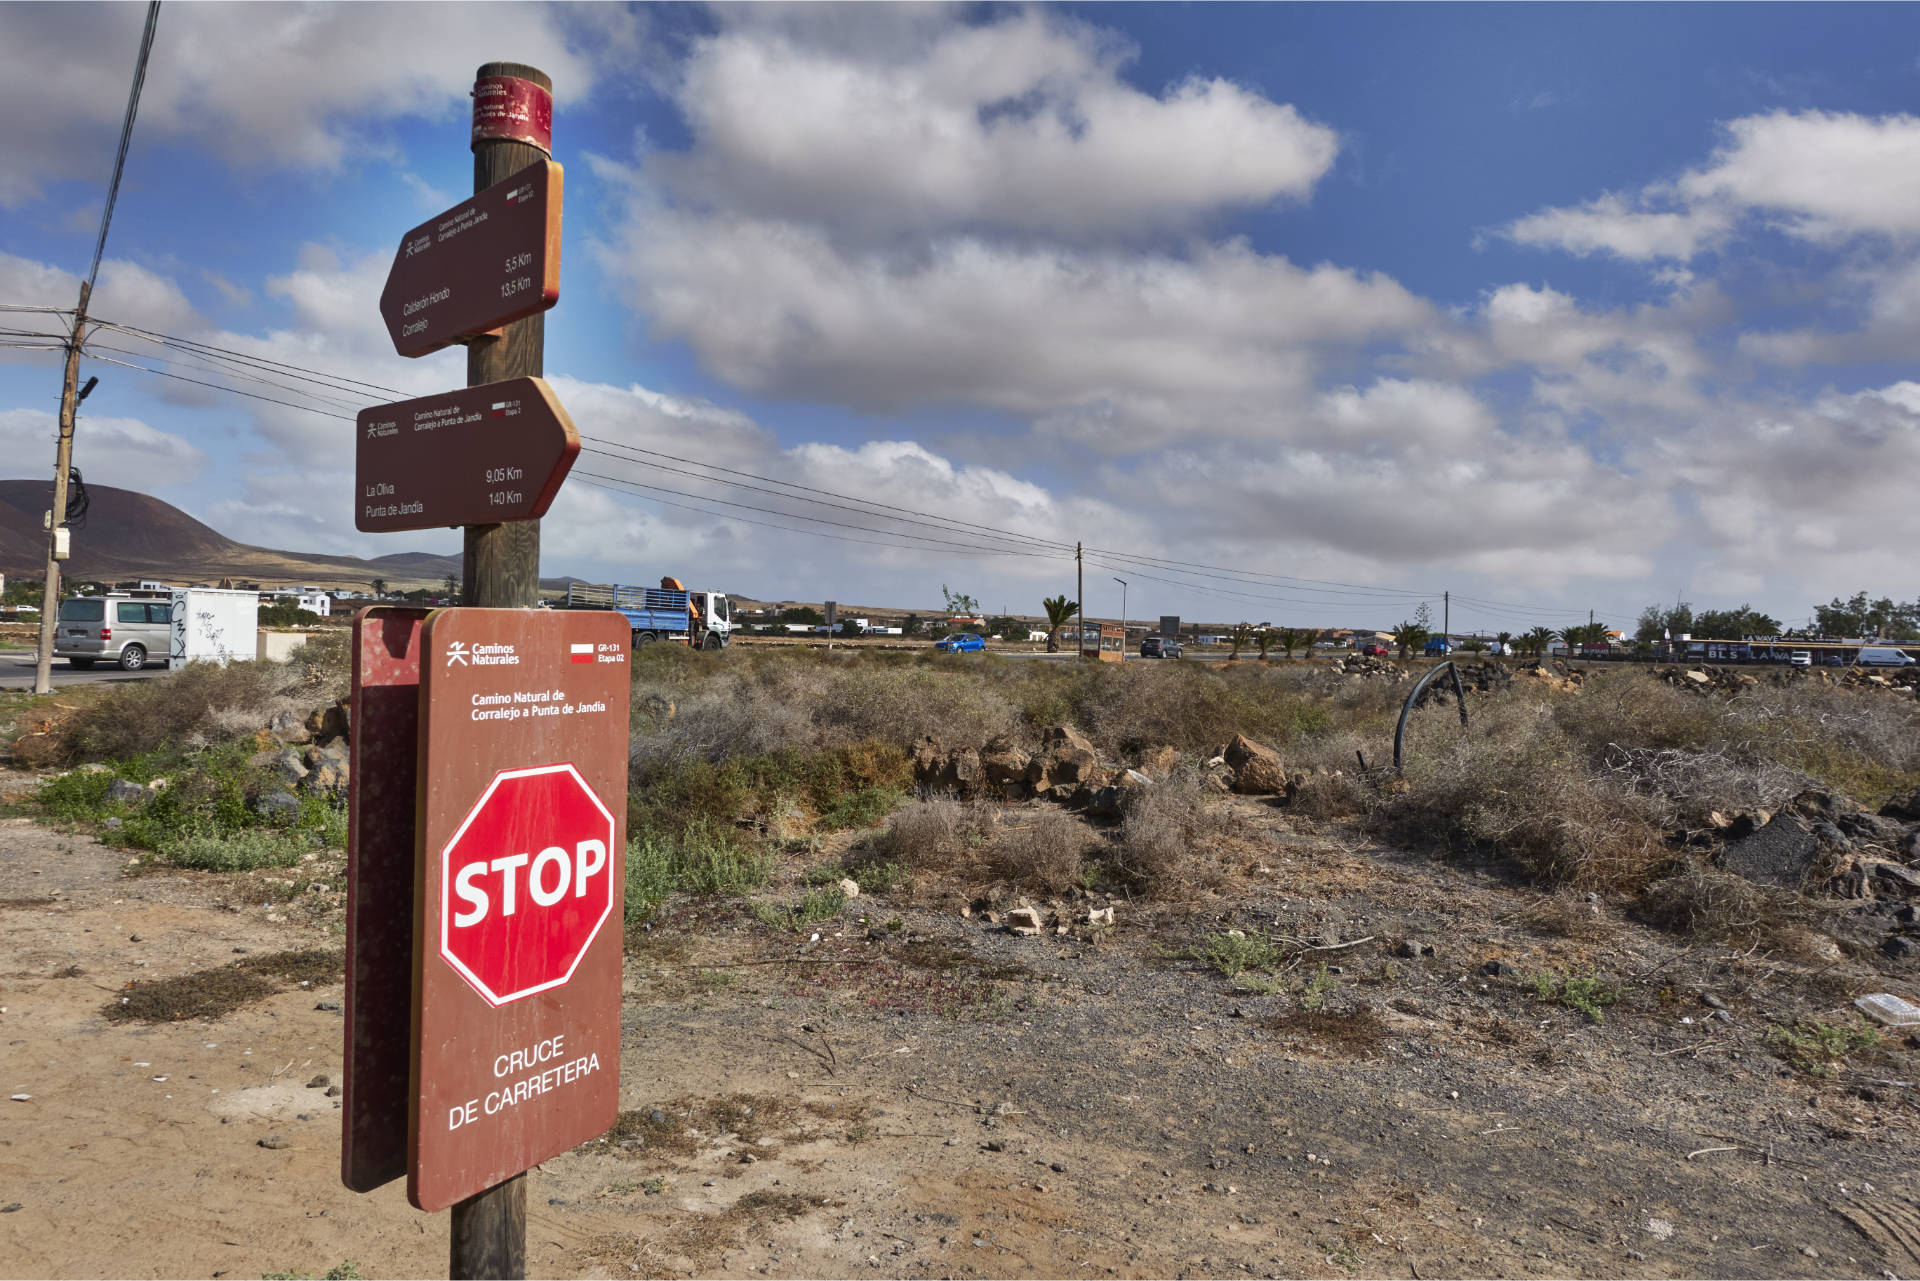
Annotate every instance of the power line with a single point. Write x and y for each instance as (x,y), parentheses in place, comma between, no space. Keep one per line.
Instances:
(126,137)
(216,386)
(620,485)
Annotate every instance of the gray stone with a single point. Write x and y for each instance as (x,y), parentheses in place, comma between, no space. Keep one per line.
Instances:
(330,767)
(1829,834)
(1024,921)
(276,1141)
(1712,1002)
(1499,970)
(1781,853)
(289,727)
(278,805)
(319,1082)
(121,792)
(1910,846)
(1906,808)
(1899,947)
(1413,948)
(1895,879)
(1868,827)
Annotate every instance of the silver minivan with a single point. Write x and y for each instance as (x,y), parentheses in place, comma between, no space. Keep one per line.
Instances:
(127,630)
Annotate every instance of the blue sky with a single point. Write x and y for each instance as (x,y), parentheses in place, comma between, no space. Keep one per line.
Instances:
(1568,306)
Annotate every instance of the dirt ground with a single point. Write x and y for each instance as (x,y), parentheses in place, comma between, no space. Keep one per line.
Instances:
(945,1099)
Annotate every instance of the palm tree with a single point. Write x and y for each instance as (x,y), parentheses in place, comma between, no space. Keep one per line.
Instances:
(1289,638)
(1409,637)
(379,586)
(1535,642)
(1240,635)
(1506,642)
(1059,610)
(1308,639)
(1264,639)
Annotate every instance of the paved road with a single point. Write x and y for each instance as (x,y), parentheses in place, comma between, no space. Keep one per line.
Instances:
(16,671)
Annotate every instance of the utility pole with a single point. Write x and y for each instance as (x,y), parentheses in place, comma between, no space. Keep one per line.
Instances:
(500,569)
(1446,613)
(1080,632)
(62,466)
(1123,618)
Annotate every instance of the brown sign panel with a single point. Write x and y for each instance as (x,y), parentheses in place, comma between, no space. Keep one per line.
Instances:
(488,260)
(512,108)
(384,746)
(475,456)
(519,893)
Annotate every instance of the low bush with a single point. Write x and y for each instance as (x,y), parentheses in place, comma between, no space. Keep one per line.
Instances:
(812,907)
(939,834)
(1818,1048)
(701,858)
(1171,841)
(1233,952)
(1587,993)
(1040,850)
(248,850)
(1718,905)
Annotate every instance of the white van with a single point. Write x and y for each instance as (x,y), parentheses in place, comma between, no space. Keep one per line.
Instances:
(1883,656)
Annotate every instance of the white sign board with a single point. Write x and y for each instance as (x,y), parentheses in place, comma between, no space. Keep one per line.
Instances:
(213,625)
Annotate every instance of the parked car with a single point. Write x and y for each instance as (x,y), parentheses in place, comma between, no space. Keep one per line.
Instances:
(1883,656)
(1159,647)
(1832,660)
(113,629)
(1375,650)
(1800,658)
(959,643)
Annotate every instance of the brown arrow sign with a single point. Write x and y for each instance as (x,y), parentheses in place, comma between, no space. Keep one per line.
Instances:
(497,452)
(484,262)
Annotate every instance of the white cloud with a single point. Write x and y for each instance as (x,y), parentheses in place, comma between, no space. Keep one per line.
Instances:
(1030,330)
(1830,174)
(1022,122)
(315,83)
(123,452)
(1612,224)
(1817,175)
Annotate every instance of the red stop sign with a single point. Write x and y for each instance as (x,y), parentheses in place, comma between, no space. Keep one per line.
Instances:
(527,882)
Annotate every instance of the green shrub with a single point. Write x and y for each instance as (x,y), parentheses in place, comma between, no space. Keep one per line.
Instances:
(1586,994)
(1233,952)
(814,906)
(248,850)
(700,859)
(1816,1048)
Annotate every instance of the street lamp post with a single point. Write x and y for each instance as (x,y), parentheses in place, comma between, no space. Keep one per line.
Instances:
(1123,618)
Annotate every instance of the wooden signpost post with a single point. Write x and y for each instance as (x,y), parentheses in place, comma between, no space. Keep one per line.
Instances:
(487,860)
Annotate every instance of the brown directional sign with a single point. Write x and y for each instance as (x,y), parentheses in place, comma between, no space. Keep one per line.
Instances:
(489,260)
(518,893)
(385,751)
(497,452)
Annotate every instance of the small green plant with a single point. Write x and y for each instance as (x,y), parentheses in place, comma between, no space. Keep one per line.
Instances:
(653,1186)
(1815,1048)
(702,859)
(824,874)
(862,808)
(814,906)
(718,978)
(880,878)
(895,924)
(347,1271)
(247,850)
(1234,952)
(1314,994)
(1587,994)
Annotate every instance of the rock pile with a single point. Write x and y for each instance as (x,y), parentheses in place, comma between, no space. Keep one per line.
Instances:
(1823,843)
(1359,667)
(1066,768)
(307,752)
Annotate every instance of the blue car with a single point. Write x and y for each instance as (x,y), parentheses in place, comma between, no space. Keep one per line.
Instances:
(959,643)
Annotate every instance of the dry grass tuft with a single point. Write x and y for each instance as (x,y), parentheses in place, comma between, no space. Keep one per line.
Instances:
(1042,850)
(1172,841)
(1721,905)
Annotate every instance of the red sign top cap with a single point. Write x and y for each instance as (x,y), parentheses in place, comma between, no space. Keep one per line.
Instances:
(510,108)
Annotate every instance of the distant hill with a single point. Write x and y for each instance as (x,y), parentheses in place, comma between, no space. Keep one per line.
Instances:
(133,535)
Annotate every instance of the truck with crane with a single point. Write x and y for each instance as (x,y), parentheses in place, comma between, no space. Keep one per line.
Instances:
(669,612)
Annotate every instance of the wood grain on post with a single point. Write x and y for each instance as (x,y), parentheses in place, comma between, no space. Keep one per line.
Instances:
(489,1233)
(500,568)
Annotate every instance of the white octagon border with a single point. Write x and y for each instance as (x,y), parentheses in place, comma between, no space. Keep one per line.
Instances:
(446,883)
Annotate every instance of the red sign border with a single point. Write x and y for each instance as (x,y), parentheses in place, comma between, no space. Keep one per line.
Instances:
(446,883)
